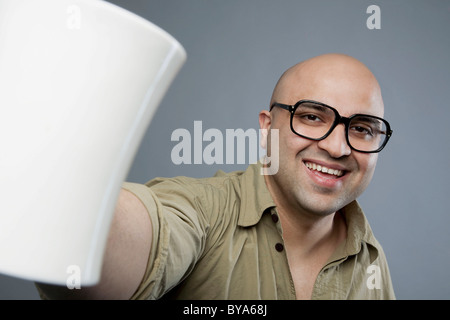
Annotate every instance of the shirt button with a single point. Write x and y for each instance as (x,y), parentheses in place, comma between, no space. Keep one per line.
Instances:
(275,218)
(279,247)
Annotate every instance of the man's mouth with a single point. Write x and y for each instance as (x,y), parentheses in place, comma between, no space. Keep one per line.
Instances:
(323,169)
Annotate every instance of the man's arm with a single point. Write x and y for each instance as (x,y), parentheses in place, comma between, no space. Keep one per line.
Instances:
(125,259)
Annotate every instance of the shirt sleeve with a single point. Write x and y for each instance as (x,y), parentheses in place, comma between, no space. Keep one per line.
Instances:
(179,232)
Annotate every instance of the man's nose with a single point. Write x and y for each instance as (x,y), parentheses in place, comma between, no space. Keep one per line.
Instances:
(336,143)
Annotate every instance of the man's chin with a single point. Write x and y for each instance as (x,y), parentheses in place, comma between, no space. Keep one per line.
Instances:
(321,206)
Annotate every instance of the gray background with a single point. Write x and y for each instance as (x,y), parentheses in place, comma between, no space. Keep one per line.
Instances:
(236,52)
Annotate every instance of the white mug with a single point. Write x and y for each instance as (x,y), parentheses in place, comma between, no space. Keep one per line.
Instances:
(80,81)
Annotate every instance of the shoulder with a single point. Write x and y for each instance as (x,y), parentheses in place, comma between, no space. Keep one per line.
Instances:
(198,187)
(208,197)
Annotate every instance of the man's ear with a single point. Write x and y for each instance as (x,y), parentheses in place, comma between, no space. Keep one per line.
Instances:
(265,120)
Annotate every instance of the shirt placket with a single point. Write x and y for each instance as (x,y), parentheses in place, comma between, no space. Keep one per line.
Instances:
(280,252)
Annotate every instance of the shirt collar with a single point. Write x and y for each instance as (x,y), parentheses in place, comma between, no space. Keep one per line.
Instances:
(256,197)
(358,230)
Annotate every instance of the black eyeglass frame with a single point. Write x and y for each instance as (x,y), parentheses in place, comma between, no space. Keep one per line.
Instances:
(338,119)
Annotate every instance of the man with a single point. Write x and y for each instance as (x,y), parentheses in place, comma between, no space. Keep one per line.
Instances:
(296,233)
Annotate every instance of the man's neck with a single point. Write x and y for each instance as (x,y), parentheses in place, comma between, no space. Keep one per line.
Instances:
(307,232)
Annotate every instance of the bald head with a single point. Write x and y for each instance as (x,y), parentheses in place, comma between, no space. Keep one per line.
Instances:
(335,79)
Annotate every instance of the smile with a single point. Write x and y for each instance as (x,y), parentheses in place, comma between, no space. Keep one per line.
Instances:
(320,168)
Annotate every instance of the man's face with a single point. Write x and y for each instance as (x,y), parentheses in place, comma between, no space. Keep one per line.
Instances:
(299,182)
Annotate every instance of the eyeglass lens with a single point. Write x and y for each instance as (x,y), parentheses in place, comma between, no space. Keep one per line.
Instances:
(315,121)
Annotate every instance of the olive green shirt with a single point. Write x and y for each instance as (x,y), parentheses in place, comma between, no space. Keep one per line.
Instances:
(220,238)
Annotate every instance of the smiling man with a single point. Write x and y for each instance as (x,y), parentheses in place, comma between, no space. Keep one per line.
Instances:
(295,234)
(327,157)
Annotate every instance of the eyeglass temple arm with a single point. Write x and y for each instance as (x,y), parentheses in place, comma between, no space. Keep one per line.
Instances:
(283,106)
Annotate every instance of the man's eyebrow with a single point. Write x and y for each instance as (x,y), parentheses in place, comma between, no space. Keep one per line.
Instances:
(317,107)
(369,118)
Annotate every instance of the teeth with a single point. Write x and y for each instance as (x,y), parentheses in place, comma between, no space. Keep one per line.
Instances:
(323,169)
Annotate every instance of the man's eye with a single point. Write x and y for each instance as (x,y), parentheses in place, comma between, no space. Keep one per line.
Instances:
(362,130)
(310,117)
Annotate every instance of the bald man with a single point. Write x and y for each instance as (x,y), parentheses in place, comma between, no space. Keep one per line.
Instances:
(298,233)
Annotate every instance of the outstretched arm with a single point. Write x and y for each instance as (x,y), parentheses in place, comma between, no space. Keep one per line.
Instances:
(125,259)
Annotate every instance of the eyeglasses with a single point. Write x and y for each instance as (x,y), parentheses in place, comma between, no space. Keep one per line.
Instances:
(315,121)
